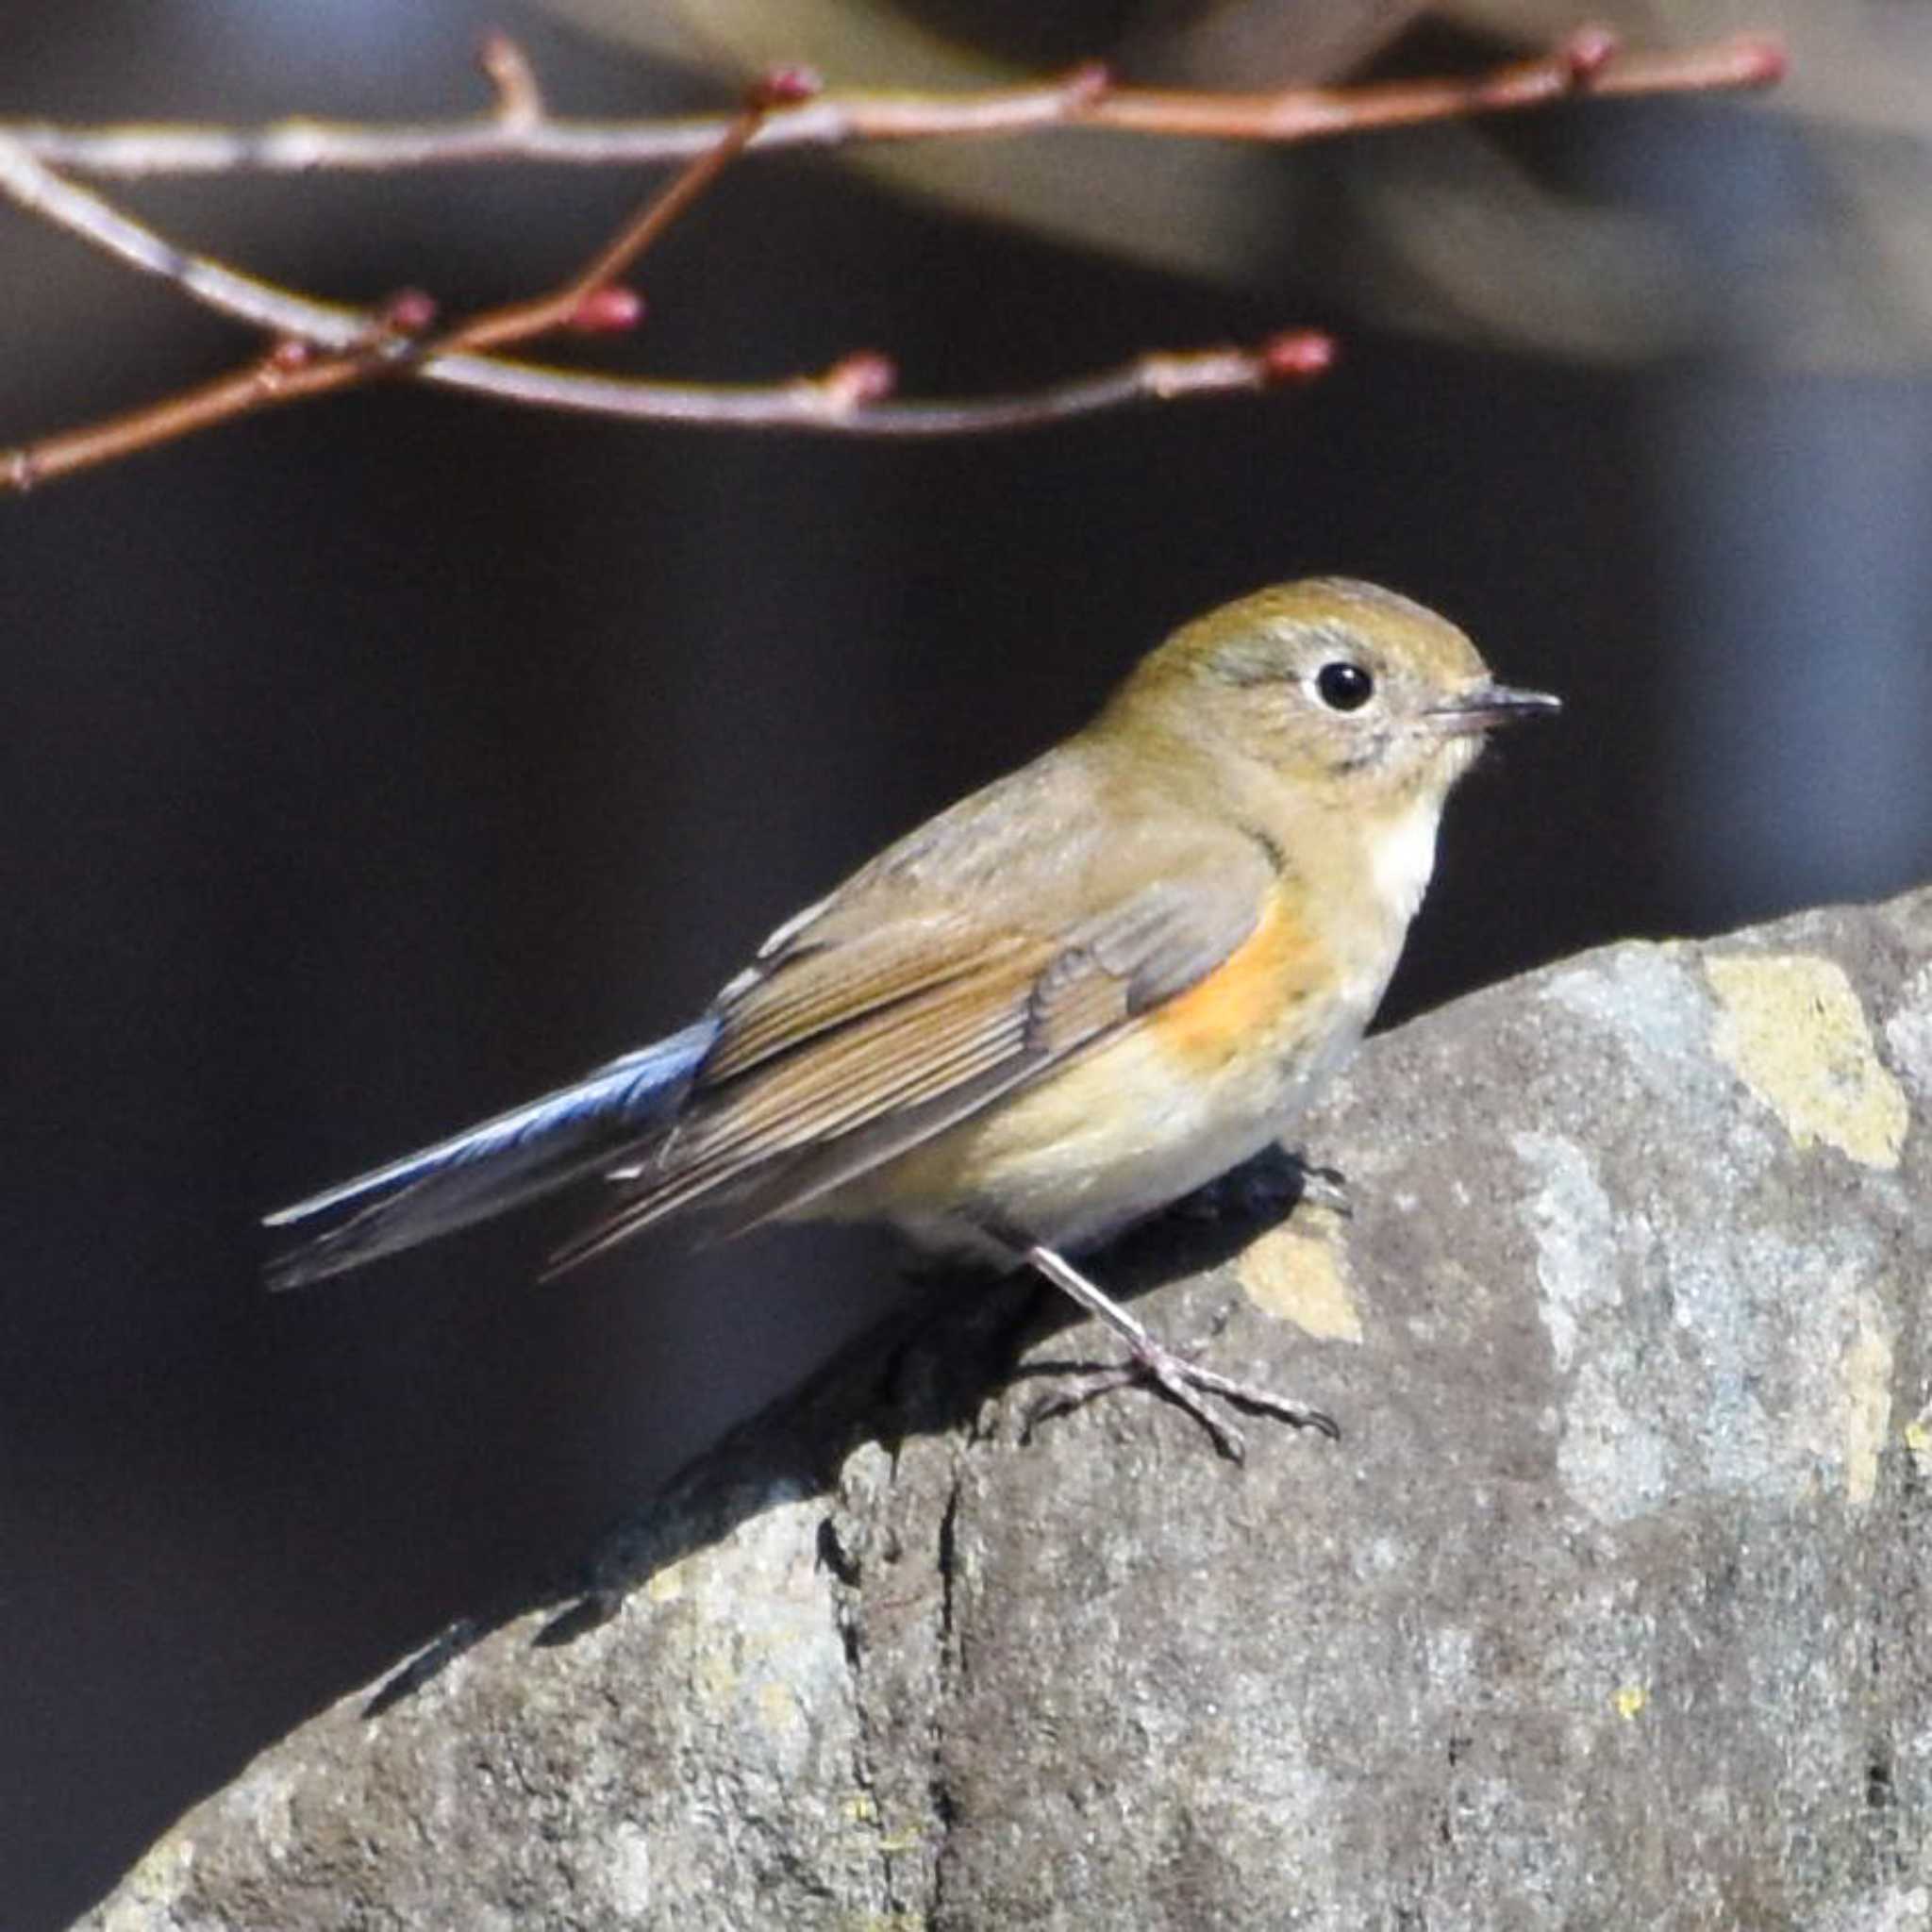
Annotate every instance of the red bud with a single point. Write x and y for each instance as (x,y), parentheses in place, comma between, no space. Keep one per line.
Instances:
(407,312)
(1088,83)
(1298,355)
(608,312)
(1589,51)
(864,376)
(786,87)
(1765,58)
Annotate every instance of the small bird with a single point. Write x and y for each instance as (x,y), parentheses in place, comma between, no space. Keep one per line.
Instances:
(1062,1004)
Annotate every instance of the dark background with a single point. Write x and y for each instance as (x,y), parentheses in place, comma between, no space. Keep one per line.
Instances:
(369,766)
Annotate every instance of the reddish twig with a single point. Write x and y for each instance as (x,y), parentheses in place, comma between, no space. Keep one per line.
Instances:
(397,338)
(323,349)
(520,129)
(327,349)
(1590,62)
(578,300)
(287,374)
(852,398)
(320,347)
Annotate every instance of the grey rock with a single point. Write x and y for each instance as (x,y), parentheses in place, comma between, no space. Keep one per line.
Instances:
(1610,1608)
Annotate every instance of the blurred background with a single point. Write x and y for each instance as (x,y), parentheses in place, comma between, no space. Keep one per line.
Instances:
(369,766)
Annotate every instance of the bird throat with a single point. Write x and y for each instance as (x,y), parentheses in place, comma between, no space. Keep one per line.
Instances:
(1402,855)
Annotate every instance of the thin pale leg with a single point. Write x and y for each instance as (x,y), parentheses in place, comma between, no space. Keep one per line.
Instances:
(1151,1361)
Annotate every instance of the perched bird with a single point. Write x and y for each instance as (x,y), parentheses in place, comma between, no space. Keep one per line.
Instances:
(1068,1000)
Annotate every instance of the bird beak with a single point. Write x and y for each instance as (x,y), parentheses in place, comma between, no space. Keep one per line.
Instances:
(1489,705)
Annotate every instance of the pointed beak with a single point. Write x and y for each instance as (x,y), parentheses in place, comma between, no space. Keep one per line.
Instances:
(1487,706)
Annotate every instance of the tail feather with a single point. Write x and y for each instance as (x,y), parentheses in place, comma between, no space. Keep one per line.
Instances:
(517,1156)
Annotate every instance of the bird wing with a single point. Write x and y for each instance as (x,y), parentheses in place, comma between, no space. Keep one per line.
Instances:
(928,987)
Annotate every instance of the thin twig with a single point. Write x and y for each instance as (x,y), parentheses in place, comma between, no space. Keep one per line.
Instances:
(1590,62)
(287,374)
(395,339)
(838,404)
(849,399)
(523,322)
(520,129)
(392,341)
(320,346)
(323,348)
(31,184)
(514,80)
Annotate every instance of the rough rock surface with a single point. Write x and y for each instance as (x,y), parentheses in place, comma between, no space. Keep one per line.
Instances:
(1612,1607)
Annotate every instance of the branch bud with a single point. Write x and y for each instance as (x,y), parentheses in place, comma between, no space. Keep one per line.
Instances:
(785,86)
(864,376)
(1765,58)
(1087,84)
(407,312)
(1298,355)
(1588,52)
(606,311)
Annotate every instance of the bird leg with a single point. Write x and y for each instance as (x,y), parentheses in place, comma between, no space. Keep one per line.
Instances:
(1149,1360)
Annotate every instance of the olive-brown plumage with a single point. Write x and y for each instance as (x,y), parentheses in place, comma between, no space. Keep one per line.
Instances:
(1071,998)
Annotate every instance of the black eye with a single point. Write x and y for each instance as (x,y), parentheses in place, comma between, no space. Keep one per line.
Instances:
(1344,686)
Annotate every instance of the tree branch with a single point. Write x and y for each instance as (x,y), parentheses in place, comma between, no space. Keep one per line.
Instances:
(320,347)
(520,129)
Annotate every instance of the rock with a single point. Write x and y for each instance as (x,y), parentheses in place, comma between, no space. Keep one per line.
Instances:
(1610,1608)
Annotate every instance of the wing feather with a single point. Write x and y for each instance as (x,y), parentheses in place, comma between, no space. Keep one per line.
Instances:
(816,990)
(939,979)
(891,1058)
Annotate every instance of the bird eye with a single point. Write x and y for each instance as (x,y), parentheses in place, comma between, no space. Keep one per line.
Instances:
(1344,686)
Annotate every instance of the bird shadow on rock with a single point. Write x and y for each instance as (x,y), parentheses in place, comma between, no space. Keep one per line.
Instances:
(925,1369)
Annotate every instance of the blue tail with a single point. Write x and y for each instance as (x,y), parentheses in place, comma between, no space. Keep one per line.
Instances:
(530,1151)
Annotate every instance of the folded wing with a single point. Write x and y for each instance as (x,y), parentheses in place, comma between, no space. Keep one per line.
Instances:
(864,1038)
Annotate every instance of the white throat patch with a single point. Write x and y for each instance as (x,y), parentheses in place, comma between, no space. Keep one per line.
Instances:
(1404,855)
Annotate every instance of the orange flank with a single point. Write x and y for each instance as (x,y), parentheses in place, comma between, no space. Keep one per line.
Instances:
(1251,994)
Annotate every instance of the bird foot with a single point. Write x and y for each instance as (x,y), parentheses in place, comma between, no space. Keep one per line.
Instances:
(1325,1187)
(1185,1383)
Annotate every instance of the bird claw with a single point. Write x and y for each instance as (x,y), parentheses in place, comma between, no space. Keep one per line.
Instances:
(1178,1378)
(1325,1187)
